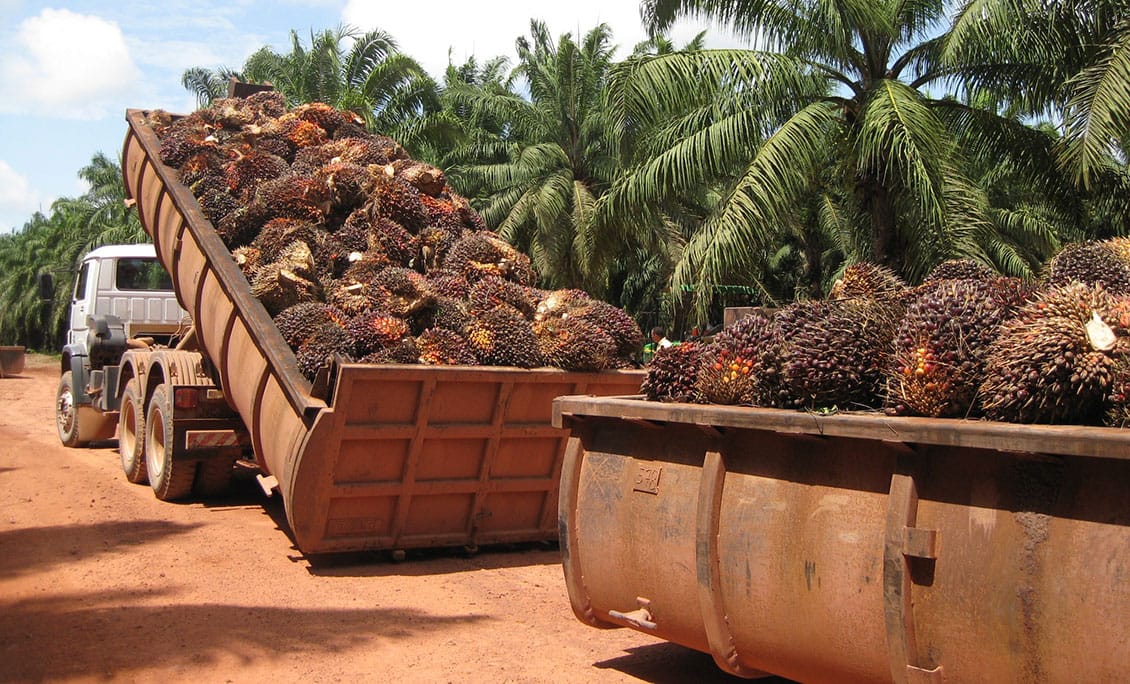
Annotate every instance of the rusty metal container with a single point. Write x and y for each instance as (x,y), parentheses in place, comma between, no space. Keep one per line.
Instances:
(11,360)
(851,547)
(390,457)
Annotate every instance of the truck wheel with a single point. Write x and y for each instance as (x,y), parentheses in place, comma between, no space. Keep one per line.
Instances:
(66,413)
(131,433)
(214,476)
(169,479)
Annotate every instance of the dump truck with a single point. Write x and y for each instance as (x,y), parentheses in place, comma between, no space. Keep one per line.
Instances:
(365,457)
(851,547)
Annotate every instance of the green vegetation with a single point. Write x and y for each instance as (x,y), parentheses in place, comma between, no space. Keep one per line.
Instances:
(54,244)
(672,180)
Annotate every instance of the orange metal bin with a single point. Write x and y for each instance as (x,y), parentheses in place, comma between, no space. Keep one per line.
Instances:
(851,547)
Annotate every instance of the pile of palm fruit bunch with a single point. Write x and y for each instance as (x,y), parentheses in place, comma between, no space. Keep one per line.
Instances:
(360,253)
(964,343)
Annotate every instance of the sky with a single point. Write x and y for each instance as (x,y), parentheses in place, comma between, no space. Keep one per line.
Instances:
(69,70)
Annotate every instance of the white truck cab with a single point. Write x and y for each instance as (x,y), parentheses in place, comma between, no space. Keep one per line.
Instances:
(123,299)
(128,282)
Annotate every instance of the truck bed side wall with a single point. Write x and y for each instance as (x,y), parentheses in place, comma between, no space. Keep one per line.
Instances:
(255,366)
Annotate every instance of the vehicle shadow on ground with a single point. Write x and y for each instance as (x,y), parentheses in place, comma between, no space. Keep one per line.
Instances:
(438,561)
(35,549)
(668,663)
(245,492)
(134,635)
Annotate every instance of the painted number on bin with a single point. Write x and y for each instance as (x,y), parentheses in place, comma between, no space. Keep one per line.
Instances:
(647,479)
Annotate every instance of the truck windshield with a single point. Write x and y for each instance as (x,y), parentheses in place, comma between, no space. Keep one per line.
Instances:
(141,274)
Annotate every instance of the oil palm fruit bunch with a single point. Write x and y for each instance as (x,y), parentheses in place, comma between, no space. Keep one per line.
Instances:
(1090,263)
(435,243)
(482,253)
(614,322)
(574,344)
(350,296)
(319,349)
(395,200)
(352,236)
(299,322)
(321,213)
(755,339)
(204,167)
(288,281)
(1054,361)
(403,352)
(557,303)
(442,347)
(248,259)
(448,284)
(834,353)
(444,213)
(869,281)
(672,374)
(726,377)
(940,347)
(492,291)
(328,118)
(450,313)
(185,138)
(216,203)
(292,196)
(391,239)
(1121,248)
(407,291)
(248,168)
(1118,401)
(344,184)
(960,269)
(503,337)
(277,234)
(373,331)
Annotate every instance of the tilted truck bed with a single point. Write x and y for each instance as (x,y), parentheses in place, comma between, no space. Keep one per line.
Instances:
(400,456)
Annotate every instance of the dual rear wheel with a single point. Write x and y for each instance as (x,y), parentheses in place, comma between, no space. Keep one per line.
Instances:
(145,442)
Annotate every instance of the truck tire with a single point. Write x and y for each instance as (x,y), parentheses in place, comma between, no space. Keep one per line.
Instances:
(66,413)
(170,479)
(214,476)
(131,433)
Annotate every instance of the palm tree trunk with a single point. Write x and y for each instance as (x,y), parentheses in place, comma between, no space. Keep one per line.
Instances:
(884,236)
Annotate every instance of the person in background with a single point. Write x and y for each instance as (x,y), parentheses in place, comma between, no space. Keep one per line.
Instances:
(658,340)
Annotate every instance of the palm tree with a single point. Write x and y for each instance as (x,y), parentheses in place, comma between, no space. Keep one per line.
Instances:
(208,85)
(361,72)
(558,159)
(463,131)
(837,141)
(41,246)
(1066,58)
(101,215)
(54,244)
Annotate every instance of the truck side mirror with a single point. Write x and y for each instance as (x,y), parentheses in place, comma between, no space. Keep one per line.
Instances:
(46,283)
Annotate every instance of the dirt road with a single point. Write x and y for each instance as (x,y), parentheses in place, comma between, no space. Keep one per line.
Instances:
(100,581)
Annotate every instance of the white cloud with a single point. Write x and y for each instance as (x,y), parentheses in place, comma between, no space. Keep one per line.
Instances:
(464,28)
(66,65)
(17,199)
